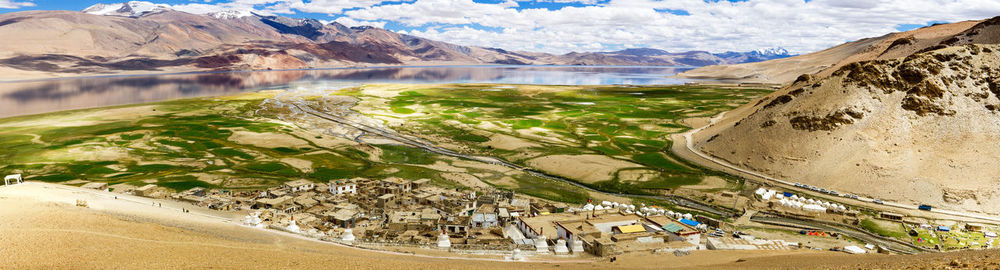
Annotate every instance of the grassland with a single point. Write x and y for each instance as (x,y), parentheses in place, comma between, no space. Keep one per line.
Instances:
(231,143)
(191,143)
(609,138)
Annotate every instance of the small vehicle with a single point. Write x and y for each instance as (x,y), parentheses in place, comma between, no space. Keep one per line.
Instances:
(924,207)
(798,184)
(878,201)
(834,193)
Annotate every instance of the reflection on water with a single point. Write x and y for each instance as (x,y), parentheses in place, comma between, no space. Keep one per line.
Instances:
(21,98)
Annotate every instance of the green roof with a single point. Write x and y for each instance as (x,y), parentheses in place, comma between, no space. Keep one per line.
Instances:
(673,227)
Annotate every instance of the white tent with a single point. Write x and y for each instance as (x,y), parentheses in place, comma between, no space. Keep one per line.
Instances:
(814,207)
(854,250)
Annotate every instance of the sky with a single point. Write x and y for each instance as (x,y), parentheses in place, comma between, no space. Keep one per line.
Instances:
(561,26)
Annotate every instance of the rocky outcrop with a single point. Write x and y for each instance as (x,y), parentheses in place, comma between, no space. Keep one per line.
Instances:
(922,126)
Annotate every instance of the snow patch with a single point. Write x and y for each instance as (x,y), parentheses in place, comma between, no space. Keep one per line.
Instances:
(127,9)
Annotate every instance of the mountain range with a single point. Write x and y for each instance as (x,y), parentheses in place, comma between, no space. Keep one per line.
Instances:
(142,37)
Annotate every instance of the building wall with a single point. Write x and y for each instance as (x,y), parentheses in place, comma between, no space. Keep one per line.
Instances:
(565,234)
(528,233)
(342,189)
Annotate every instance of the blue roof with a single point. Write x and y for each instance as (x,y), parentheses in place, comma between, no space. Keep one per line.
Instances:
(788,194)
(689,222)
(944,228)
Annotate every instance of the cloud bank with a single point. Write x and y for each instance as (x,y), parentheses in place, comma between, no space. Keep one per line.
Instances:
(560,26)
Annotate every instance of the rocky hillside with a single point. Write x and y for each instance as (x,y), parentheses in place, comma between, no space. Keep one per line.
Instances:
(923,128)
(825,62)
(141,37)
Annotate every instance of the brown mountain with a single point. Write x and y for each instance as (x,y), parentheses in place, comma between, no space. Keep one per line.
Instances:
(138,37)
(825,62)
(923,129)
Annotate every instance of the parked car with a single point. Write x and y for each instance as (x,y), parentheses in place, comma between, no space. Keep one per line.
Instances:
(878,201)
(924,207)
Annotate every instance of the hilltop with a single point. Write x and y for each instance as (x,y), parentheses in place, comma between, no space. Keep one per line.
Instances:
(824,63)
(922,128)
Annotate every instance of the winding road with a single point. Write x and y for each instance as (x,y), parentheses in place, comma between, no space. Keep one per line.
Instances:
(689,144)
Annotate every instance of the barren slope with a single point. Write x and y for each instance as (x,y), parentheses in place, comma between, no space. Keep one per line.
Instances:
(922,129)
(824,62)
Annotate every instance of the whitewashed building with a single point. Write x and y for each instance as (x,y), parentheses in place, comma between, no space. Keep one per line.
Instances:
(299,185)
(343,187)
(12,179)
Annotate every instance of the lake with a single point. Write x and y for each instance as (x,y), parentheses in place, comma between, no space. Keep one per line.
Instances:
(41,96)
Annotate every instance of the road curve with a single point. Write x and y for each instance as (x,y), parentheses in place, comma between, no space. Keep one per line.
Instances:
(689,144)
(413,142)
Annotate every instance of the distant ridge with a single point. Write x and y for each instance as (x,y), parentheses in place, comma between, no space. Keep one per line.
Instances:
(142,37)
(823,63)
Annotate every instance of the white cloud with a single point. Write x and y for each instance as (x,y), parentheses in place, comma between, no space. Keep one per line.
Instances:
(9,4)
(585,2)
(352,22)
(716,26)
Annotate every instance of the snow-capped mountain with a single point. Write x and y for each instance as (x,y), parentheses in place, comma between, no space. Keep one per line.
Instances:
(777,51)
(127,9)
(231,14)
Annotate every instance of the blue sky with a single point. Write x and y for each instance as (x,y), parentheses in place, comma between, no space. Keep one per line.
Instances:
(560,26)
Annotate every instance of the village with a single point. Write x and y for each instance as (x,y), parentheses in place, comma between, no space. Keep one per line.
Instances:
(396,212)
